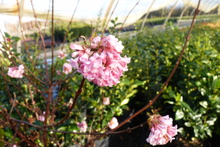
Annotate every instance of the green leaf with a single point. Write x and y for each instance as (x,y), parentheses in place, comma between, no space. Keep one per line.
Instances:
(72,127)
(7,35)
(8,133)
(118,24)
(170,102)
(198,83)
(30,129)
(179,114)
(171,93)
(209,132)
(124,102)
(188,124)
(196,131)
(211,122)
(216,83)
(130,94)
(63,128)
(15,38)
(204,104)
(186,106)
(1,137)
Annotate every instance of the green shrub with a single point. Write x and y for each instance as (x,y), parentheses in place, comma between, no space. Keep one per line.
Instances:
(74,31)
(192,94)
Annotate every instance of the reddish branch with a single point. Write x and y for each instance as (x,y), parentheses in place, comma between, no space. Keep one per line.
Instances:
(78,92)
(168,79)
(170,76)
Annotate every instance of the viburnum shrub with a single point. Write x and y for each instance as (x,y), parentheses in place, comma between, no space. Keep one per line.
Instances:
(74,99)
(98,60)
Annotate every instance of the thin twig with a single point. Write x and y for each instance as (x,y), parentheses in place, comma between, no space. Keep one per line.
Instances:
(43,43)
(21,135)
(26,68)
(49,96)
(64,39)
(128,130)
(67,114)
(78,92)
(126,18)
(103,31)
(5,143)
(45,25)
(52,43)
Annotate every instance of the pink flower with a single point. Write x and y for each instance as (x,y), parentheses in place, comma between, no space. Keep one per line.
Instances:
(106,100)
(61,55)
(58,72)
(162,130)
(95,42)
(101,62)
(113,123)
(16,72)
(67,68)
(83,126)
(76,47)
(42,117)
(112,43)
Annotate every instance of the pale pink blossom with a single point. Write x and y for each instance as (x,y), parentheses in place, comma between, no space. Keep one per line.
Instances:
(61,55)
(76,47)
(106,100)
(95,42)
(14,145)
(113,123)
(16,72)
(101,62)
(42,117)
(162,130)
(58,72)
(67,68)
(111,43)
(83,126)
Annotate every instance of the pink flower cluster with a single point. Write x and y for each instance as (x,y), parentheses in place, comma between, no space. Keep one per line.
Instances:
(83,126)
(100,62)
(16,72)
(162,130)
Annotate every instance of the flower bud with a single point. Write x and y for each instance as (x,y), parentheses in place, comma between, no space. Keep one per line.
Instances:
(105,100)
(113,123)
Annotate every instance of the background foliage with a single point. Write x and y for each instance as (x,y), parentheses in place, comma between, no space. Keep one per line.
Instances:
(193,93)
